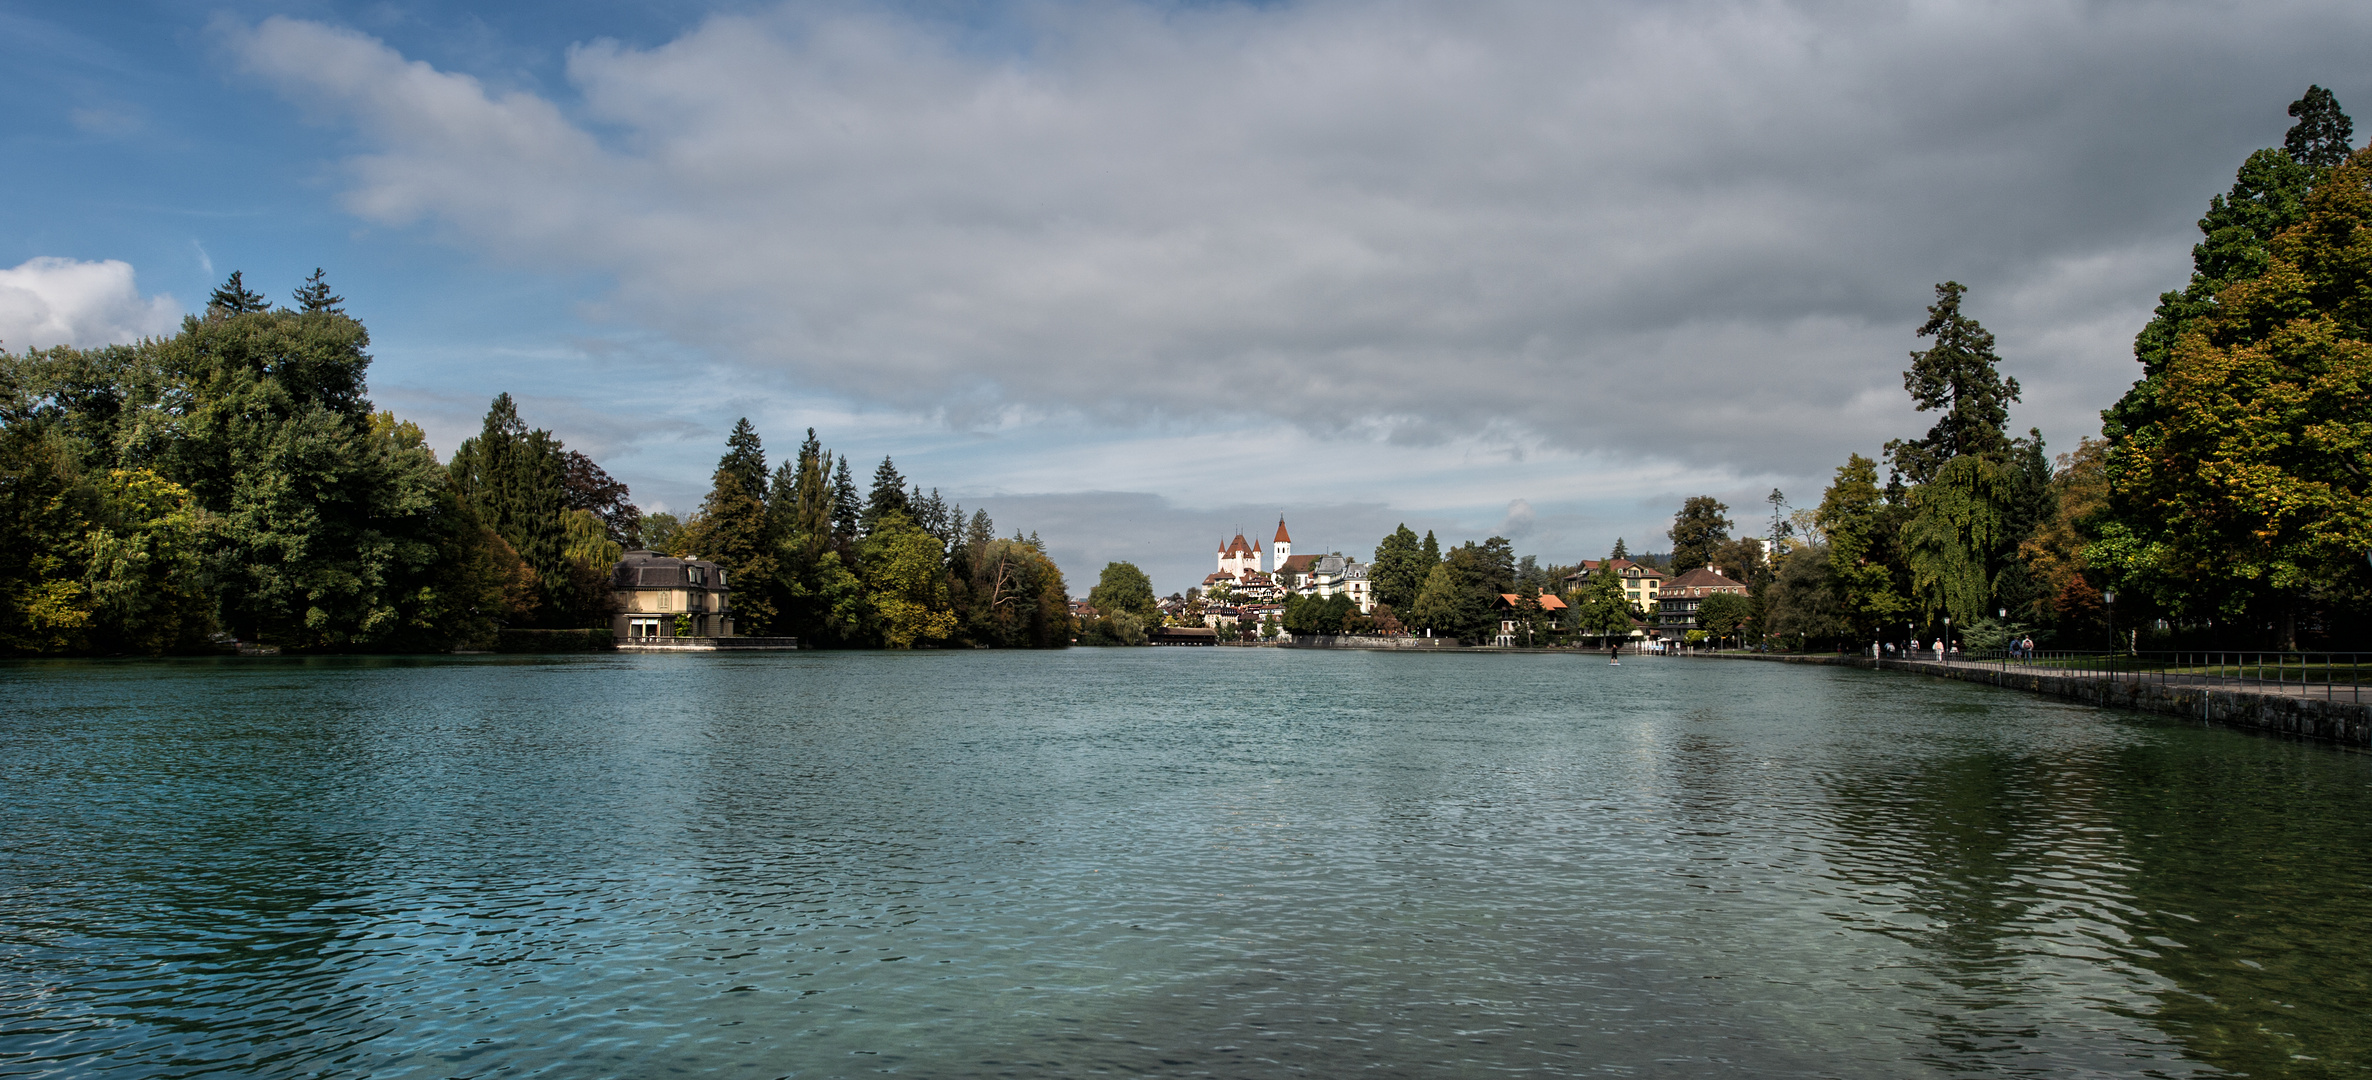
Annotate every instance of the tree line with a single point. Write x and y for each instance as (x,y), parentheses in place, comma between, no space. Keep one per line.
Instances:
(810,555)
(2225,503)
(233,481)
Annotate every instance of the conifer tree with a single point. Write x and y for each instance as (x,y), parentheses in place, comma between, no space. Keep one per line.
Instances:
(2323,135)
(1959,377)
(233,297)
(514,480)
(1620,552)
(314,297)
(848,509)
(888,495)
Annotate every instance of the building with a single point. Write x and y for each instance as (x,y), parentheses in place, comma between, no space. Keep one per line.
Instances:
(1512,630)
(661,596)
(1642,585)
(1676,612)
(1332,574)
(1238,557)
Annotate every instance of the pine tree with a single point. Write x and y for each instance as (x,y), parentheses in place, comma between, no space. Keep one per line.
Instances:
(1620,552)
(889,494)
(234,298)
(2323,134)
(1958,376)
(514,480)
(848,510)
(1432,550)
(314,296)
(745,456)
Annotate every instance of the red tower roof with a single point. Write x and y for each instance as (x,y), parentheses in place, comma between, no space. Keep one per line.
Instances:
(1282,536)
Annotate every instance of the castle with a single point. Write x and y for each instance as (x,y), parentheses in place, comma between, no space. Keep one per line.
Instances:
(1239,557)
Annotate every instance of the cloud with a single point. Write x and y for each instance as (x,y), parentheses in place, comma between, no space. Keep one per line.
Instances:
(1696,232)
(52,301)
(1520,520)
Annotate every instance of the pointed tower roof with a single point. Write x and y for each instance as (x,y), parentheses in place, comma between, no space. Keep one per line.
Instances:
(1282,536)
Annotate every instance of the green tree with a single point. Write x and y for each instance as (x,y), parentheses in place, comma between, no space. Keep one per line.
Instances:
(660,532)
(1124,588)
(848,508)
(1862,530)
(1458,597)
(735,529)
(1698,532)
(1724,614)
(1016,595)
(1399,569)
(315,298)
(233,297)
(1958,376)
(1620,552)
(888,495)
(906,582)
(1603,608)
(514,480)
(2323,136)
(1431,550)
(2258,480)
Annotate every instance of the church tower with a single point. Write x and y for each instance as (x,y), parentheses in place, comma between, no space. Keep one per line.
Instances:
(1283,547)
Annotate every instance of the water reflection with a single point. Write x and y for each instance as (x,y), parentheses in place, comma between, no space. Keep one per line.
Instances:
(1247,863)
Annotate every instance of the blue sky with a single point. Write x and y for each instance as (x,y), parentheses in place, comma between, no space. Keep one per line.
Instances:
(1133,276)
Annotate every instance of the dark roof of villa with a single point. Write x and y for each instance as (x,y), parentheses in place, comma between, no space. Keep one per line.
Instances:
(651,570)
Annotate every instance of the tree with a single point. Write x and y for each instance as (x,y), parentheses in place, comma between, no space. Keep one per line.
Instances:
(2268,196)
(591,489)
(735,529)
(514,480)
(1399,569)
(2323,135)
(1620,552)
(314,296)
(1698,532)
(1724,614)
(1604,609)
(1124,588)
(233,298)
(1799,603)
(2054,553)
(906,582)
(1861,528)
(1958,376)
(1957,524)
(1431,549)
(1459,594)
(888,496)
(847,508)
(660,532)
(2259,477)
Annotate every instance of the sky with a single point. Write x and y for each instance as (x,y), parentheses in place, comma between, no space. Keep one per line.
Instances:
(1136,275)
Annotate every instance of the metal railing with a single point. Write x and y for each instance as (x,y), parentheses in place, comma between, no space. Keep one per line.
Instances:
(2332,676)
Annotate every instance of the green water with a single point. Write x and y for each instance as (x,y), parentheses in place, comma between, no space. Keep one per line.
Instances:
(1217,862)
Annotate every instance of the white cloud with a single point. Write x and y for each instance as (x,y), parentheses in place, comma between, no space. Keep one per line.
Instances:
(52,301)
(1696,234)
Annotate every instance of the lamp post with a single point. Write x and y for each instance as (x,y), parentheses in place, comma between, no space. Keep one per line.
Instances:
(2111,597)
(1945,654)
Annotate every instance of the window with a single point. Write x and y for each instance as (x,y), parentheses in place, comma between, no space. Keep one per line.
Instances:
(692,574)
(641,629)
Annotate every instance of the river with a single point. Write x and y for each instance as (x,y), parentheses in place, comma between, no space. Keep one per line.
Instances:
(1157,862)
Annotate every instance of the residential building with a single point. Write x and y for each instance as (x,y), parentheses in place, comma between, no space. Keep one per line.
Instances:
(661,596)
(1676,612)
(1512,631)
(1642,585)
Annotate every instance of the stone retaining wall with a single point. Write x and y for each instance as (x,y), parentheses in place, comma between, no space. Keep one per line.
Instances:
(2336,721)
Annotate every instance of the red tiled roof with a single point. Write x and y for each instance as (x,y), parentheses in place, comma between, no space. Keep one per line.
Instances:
(1282,536)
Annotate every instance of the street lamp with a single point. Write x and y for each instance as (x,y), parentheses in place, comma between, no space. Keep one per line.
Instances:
(1945,654)
(2111,597)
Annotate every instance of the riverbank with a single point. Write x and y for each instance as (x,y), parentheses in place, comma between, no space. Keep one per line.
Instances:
(2291,712)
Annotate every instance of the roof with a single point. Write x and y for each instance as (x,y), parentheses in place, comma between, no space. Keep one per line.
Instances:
(1298,564)
(1239,545)
(1548,601)
(641,569)
(1282,536)
(1622,567)
(1704,577)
